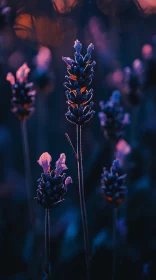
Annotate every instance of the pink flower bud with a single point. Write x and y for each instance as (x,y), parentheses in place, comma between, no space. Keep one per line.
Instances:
(43,58)
(10,78)
(68,181)
(22,73)
(44,161)
(60,164)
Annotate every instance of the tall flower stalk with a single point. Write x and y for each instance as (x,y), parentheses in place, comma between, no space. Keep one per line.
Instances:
(80,73)
(113,122)
(52,186)
(23,98)
(114,191)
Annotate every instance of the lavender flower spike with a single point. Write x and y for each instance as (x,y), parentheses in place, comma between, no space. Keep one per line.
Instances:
(23,93)
(52,185)
(113,184)
(112,118)
(80,74)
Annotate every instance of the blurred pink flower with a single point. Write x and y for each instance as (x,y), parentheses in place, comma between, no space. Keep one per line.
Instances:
(43,58)
(138,66)
(68,181)
(115,79)
(4,9)
(60,164)
(126,119)
(123,148)
(22,73)
(147,51)
(44,161)
(10,78)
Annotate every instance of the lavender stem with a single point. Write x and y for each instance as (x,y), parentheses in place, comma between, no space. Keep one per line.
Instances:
(47,243)
(27,169)
(82,199)
(114,243)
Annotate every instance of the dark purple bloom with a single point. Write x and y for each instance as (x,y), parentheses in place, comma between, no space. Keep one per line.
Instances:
(43,76)
(133,82)
(4,13)
(23,94)
(113,184)
(52,186)
(80,73)
(112,118)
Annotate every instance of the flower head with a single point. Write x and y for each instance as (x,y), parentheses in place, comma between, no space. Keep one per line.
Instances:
(43,58)
(80,73)
(42,75)
(147,51)
(22,73)
(23,94)
(113,184)
(52,185)
(112,118)
(4,13)
(44,161)
(133,82)
(123,148)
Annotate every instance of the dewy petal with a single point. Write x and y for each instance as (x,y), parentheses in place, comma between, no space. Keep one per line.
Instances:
(138,66)
(22,73)
(10,78)
(44,161)
(68,181)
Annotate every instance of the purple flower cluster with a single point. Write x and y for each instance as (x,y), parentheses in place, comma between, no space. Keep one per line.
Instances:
(4,14)
(133,81)
(112,118)
(23,94)
(114,185)
(52,185)
(140,76)
(80,74)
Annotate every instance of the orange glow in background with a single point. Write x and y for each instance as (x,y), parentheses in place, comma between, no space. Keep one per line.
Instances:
(149,6)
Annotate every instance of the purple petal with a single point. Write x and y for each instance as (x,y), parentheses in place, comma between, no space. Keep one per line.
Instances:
(68,181)
(44,161)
